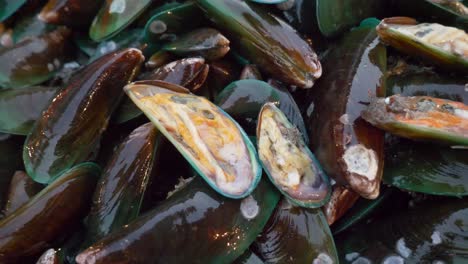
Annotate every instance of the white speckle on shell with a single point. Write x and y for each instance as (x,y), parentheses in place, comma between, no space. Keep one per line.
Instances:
(361,260)
(436,239)
(323,258)
(249,208)
(117,6)
(351,256)
(402,249)
(394,260)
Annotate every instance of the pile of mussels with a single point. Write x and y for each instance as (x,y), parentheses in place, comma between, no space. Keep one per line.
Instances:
(234,131)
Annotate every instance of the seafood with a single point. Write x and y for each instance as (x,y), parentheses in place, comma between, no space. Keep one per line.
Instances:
(34,60)
(290,165)
(447,46)
(208,138)
(77,116)
(120,190)
(233,131)
(349,149)
(261,36)
(229,225)
(29,229)
(421,118)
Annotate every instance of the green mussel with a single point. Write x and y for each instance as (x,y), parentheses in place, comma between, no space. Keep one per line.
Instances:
(190,73)
(296,235)
(266,40)
(438,44)
(73,13)
(205,226)
(114,16)
(205,42)
(211,141)
(22,189)
(35,59)
(70,128)
(20,120)
(341,200)
(432,231)
(51,213)
(421,118)
(290,165)
(349,149)
(119,192)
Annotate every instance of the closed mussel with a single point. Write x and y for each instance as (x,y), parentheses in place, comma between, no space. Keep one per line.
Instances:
(71,126)
(205,226)
(261,37)
(34,60)
(119,192)
(51,213)
(349,149)
(296,235)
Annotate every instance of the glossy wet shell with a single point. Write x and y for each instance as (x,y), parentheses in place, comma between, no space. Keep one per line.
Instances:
(75,120)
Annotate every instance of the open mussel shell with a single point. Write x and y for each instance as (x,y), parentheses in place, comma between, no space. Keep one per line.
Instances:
(119,192)
(261,37)
(211,141)
(206,226)
(432,231)
(438,44)
(288,162)
(51,213)
(35,59)
(70,128)
(20,108)
(296,235)
(420,118)
(426,167)
(114,16)
(190,73)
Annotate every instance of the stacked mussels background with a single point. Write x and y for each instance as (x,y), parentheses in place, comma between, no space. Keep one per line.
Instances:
(233,131)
